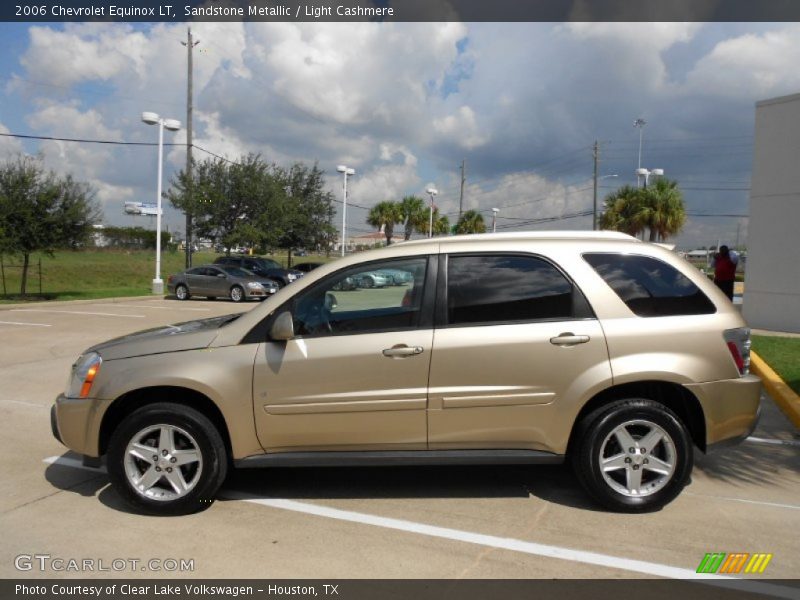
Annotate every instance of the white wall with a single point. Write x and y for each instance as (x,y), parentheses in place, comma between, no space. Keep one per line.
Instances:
(772,279)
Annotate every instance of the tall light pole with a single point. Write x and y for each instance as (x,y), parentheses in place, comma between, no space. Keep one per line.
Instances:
(639,123)
(345,171)
(431,192)
(494,219)
(594,211)
(153,119)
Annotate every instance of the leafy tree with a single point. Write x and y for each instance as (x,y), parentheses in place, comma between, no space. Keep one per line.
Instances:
(41,211)
(658,210)
(306,211)
(441,224)
(471,221)
(227,195)
(415,215)
(623,211)
(664,209)
(384,215)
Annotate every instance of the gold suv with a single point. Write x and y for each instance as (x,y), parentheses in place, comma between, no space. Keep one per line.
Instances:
(522,348)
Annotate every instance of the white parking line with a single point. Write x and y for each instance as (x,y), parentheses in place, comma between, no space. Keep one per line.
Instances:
(772,441)
(67,461)
(75,312)
(744,500)
(181,308)
(20,323)
(533,548)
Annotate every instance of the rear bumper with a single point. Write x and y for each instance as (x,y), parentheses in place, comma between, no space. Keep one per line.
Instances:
(731,408)
(74,424)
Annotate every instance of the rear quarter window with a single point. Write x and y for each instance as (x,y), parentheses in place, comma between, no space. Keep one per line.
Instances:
(650,287)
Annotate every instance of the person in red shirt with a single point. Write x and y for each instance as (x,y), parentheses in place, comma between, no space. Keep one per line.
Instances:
(725,270)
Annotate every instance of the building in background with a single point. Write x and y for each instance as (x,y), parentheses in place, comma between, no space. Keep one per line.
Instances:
(772,279)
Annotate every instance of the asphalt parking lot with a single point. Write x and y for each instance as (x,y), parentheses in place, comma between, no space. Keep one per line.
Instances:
(444,522)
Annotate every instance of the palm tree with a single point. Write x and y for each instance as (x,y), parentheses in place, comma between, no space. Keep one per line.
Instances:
(471,221)
(383,216)
(415,215)
(624,211)
(441,224)
(664,209)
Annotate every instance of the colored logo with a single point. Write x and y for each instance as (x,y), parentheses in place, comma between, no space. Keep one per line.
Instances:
(734,563)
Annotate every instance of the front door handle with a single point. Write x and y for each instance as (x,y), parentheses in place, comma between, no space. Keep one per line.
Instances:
(401,351)
(569,339)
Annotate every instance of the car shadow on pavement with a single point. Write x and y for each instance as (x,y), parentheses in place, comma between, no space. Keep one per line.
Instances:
(550,483)
(750,463)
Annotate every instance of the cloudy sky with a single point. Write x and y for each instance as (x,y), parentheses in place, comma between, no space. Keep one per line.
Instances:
(405,103)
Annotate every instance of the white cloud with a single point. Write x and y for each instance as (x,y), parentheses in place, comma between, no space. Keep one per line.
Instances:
(9,146)
(461,127)
(751,66)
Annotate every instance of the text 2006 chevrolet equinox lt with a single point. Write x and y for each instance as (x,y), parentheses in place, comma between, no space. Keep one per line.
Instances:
(511,348)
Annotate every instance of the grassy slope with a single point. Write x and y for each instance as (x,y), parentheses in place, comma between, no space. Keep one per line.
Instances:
(783,355)
(103,273)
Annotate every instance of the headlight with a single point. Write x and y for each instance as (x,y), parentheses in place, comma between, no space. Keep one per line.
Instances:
(254,285)
(83,373)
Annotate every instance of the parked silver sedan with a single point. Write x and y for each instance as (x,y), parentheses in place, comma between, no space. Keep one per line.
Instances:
(217,281)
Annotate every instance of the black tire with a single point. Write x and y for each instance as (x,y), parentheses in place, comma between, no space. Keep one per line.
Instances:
(368,282)
(212,469)
(237,294)
(182,292)
(595,439)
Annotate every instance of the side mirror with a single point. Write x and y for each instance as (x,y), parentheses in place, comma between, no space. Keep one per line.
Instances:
(282,327)
(330,301)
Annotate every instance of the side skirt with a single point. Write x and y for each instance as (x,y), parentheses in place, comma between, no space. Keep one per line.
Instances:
(400,458)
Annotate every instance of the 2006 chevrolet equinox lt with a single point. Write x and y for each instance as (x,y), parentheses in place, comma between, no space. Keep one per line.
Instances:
(596,348)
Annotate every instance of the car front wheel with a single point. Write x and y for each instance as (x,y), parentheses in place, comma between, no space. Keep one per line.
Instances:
(167,459)
(237,293)
(633,455)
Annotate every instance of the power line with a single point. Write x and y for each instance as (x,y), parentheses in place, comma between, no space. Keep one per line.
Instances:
(84,141)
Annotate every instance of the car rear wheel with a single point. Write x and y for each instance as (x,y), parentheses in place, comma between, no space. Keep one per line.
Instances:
(633,455)
(182,292)
(167,459)
(237,293)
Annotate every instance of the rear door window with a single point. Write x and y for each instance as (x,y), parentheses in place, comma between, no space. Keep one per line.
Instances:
(650,287)
(483,289)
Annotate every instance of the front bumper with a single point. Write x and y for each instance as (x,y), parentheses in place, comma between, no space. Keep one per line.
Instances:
(731,408)
(75,423)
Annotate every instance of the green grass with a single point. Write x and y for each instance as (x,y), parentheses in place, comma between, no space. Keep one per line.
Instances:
(783,355)
(89,274)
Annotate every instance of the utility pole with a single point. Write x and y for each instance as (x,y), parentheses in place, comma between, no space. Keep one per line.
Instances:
(190,44)
(595,152)
(461,196)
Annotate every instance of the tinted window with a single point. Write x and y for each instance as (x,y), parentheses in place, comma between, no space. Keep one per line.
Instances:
(650,287)
(196,271)
(363,299)
(266,263)
(236,272)
(505,288)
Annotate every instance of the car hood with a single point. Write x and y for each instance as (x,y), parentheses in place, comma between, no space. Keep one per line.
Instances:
(190,335)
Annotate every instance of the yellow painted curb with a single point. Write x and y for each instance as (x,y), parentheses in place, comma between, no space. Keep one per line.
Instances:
(784,396)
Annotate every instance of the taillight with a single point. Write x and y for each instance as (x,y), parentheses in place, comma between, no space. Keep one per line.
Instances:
(738,342)
(170,278)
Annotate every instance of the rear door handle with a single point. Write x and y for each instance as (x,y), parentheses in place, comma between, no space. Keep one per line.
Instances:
(401,351)
(569,339)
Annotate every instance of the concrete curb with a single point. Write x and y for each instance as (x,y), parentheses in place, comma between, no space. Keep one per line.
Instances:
(114,300)
(784,396)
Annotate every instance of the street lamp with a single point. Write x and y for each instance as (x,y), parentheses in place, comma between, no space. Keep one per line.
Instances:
(594,211)
(345,171)
(639,123)
(646,174)
(494,219)
(152,118)
(431,192)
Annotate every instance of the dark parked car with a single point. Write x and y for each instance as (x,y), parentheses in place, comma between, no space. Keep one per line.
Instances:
(307,267)
(216,281)
(265,267)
